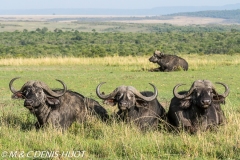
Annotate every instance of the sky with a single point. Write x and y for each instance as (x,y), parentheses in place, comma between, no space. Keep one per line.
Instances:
(107,4)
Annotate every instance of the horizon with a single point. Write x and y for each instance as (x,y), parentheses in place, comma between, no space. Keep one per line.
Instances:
(108,4)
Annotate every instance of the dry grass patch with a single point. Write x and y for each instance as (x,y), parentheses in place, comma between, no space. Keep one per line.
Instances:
(115,60)
(179,20)
(194,61)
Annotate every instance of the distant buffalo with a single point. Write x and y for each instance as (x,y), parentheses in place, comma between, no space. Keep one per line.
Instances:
(168,63)
(199,108)
(60,107)
(142,108)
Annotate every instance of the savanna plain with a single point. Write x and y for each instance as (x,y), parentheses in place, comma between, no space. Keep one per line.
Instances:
(118,140)
(113,140)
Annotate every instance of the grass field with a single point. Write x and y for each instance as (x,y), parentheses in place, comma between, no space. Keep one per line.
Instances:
(117,140)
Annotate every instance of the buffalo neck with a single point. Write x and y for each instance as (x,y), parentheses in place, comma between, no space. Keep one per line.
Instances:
(200,111)
(42,113)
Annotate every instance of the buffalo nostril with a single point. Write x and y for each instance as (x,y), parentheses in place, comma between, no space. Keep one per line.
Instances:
(28,102)
(123,103)
(206,102)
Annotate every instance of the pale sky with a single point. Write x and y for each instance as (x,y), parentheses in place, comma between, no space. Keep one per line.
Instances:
(107,4)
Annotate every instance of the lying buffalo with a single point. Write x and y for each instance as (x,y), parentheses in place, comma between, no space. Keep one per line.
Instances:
(199,108)
(60,107)
(142,108)
(168,63)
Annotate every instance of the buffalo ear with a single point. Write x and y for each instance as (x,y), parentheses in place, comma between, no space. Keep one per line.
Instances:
(218,99)
(17,95)
(53,101)
(111,102)
(141,103)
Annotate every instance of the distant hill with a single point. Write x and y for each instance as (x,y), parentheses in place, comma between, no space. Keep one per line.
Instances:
(229,15)
(92,11)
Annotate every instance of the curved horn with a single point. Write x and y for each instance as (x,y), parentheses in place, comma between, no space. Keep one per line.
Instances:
(102,96)
(148,99)
(225,94)
(52,93)
(11,86)
(176,94)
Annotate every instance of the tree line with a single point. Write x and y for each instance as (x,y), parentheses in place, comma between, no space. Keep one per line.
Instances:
(42,43)
(229,15)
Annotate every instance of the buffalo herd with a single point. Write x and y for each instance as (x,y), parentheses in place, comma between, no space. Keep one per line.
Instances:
(193,110)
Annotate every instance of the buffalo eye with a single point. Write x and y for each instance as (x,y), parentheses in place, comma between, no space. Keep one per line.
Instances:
(25,92)
(210,91)
(118,96)
(131,96)
(198,92)
(33,89)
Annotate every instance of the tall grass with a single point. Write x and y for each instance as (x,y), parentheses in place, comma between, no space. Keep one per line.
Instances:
(194,61)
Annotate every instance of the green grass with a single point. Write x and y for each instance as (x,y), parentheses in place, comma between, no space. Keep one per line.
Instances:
(118,140)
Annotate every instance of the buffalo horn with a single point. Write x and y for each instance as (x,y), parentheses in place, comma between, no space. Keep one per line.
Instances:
(102,96)
(42,85)
(225,94)
(148,99)
(51,92)
(11,86)
(176,94)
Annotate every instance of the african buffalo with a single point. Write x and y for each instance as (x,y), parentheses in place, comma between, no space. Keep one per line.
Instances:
(142,108)
(60,107)
(199,108)
(168,63)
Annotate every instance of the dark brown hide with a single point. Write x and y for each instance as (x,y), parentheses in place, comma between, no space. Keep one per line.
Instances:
(168,63)
(60,108)
(197,109)
(142,108)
